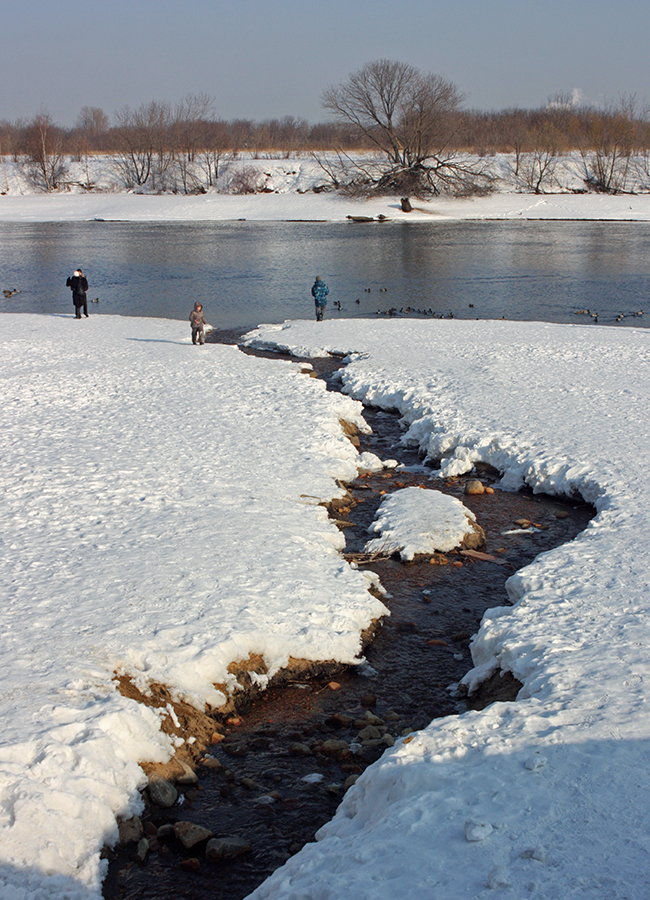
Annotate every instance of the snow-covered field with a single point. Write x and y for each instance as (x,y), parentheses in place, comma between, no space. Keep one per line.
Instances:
(154,523)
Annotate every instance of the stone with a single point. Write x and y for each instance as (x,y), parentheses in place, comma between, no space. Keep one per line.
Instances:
(190,865)
(370,733)
(162,792)
(298,749)
(369,700)
(371,719)
(475,538)
(165,831)
(477,831)
(142,850)
(189,776)
(226,848)
(130,829)
(211,762)
(339,720)
(189,834)
(250,784)
(498,878)
(234,749)
(334,748)
(349,781)
(474,486)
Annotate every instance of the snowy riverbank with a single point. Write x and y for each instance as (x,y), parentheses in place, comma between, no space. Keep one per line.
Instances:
(287,194)
(316,207)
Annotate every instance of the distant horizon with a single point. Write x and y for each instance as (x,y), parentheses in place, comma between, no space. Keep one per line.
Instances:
(267,59)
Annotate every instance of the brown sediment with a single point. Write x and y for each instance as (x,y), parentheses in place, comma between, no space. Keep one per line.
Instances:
(186,721)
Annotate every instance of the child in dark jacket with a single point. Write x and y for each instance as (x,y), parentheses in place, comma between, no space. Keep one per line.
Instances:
(198,323)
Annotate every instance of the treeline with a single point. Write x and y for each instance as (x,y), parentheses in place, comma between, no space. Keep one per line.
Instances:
(184,146)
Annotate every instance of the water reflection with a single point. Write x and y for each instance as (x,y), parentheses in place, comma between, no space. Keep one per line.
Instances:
(247,273)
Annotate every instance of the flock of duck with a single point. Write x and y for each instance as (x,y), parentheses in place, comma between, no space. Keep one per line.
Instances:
(410,310)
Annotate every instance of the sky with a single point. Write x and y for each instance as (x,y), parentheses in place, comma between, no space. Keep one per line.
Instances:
(263,59)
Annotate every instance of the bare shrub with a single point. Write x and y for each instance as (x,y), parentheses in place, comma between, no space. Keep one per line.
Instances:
(245,180)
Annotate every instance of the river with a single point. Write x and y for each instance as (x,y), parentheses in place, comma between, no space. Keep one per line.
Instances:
(247,273)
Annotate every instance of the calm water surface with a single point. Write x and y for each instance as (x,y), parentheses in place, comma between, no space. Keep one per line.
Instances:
(246,273)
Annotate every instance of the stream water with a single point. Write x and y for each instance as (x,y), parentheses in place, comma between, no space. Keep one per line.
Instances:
(285,761)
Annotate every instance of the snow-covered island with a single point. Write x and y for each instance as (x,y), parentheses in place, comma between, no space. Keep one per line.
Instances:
(161,520)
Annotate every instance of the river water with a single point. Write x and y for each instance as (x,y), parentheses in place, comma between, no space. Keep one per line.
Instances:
(247,273)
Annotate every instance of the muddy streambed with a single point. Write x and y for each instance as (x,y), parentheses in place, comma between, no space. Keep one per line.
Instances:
(276,771)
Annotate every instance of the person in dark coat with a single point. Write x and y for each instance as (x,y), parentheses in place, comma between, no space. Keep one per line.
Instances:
(319,292)
(77,282)
(198,323)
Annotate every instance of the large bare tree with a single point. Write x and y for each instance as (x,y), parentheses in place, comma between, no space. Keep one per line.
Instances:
(408,116)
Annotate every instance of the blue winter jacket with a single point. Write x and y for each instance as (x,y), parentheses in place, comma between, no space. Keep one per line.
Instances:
(319,292)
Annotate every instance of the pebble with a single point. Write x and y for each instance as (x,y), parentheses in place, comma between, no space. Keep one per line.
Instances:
(298,749)
(474,486)
(225,848)
(189,834)
(143,850)
(371,719)
(250,784)
(334,748)
(189,776)
(498,878)
(162,792)
(477,831)
(339,720)
(190,865)
(130,829)
(370,733)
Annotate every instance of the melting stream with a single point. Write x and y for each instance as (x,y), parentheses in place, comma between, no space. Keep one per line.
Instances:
(287,758)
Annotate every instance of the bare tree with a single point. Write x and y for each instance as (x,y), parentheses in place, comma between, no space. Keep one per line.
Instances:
(408,116)
(146,144)
(92,120)
(607,147)
(42,152)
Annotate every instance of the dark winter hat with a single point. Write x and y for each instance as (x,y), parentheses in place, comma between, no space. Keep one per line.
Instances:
(318,278)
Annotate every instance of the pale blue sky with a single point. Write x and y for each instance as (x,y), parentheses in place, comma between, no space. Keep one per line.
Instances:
(269,58)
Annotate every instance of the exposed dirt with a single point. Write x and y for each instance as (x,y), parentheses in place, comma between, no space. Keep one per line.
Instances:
(255,759)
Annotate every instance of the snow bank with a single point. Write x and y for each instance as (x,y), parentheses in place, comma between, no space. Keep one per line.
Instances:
(555,783)
(160,518)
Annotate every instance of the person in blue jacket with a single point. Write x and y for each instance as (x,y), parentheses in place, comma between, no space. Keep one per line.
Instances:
(319,292)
